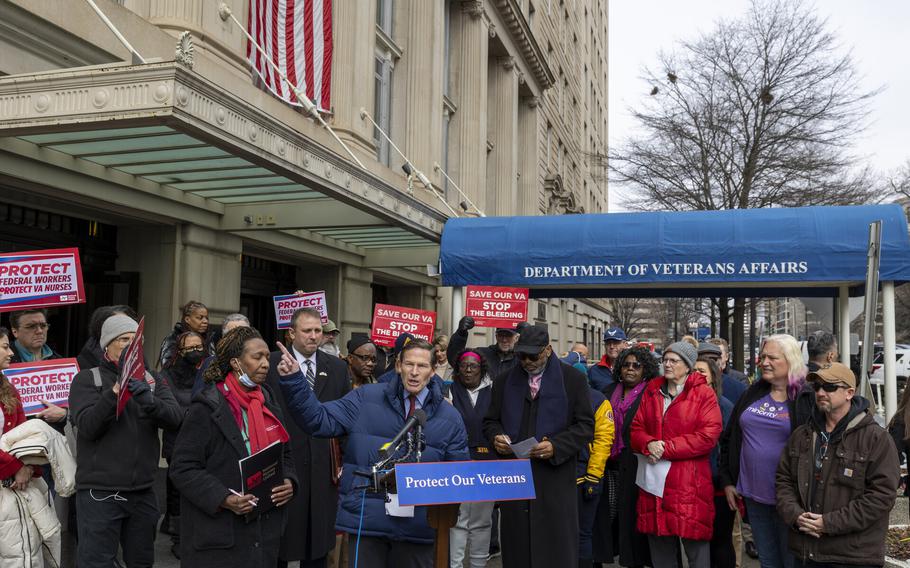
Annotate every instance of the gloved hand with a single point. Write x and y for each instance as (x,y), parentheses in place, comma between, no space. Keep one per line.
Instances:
(466,324)
(142,393)
(591,487)
(521,325)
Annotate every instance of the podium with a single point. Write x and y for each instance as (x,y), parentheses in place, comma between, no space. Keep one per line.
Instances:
(442,518)
(443,486)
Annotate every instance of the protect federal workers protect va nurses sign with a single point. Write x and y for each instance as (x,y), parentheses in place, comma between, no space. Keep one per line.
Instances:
(40,278)
(435,483)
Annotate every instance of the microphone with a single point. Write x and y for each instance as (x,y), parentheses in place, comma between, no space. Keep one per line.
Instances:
(418,418)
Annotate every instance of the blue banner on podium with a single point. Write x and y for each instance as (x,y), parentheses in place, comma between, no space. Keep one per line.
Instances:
(435,483)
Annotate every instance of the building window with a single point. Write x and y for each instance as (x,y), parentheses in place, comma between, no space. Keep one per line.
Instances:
(382,97)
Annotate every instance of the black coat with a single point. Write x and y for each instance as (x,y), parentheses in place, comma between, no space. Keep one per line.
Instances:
(497,361)
(543,533)
(180,378)
(614,531)
(311,515)
(203,468)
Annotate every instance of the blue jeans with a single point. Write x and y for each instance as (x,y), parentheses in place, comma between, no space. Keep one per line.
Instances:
(770,534)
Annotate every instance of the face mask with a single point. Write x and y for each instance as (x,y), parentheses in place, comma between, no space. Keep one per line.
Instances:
(246,381)
(194,357)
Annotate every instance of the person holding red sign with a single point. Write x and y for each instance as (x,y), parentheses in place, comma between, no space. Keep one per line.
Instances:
(117,457)
(13,415)
(500,357)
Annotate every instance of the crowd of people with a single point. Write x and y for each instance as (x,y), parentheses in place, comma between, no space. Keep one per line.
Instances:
(639,459)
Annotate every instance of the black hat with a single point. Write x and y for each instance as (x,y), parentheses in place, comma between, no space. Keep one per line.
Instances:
(506,330)
(357,342)
(532,340)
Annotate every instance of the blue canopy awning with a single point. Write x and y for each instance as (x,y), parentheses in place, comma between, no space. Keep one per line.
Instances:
(807,251)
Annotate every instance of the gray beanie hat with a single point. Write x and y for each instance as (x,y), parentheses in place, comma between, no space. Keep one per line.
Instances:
(686,352)
(114,327)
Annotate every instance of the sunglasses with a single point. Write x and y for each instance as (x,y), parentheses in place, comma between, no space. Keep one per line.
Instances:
(827,387)
(531,356)
(631,365)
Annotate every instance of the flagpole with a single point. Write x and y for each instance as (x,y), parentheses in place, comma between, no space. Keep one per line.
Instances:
(225,12)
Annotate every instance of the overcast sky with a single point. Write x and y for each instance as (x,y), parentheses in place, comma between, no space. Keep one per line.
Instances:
(878,32)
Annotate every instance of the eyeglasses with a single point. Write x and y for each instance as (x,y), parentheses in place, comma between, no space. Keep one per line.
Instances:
(827,387)
(468,366)
(631,365)
(192,348)
(671,362)
(820,455)
(531,356)
(36,326)
(364,358)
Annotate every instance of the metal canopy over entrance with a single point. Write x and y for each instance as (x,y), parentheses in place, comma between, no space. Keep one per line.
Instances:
(162,126)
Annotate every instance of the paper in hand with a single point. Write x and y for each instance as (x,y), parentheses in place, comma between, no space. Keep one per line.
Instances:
(523,449)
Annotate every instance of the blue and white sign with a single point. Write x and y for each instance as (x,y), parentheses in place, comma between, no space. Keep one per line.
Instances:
(436,483)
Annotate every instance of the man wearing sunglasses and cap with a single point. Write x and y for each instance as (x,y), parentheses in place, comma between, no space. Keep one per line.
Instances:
(837,478)
(547,400)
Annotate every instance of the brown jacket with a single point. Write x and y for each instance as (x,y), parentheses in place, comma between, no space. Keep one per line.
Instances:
(854,492)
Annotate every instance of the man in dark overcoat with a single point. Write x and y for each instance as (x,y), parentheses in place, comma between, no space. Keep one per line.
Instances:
(310,532)
(543,398)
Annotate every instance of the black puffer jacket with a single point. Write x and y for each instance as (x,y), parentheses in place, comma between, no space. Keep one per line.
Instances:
(180,377)
(117,454)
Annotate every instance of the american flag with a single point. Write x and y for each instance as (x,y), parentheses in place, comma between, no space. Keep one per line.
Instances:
(297,36)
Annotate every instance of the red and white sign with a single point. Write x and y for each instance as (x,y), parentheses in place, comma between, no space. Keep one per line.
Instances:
(391,321)
(492,306)
(286,305)
(40,278)
(42,380)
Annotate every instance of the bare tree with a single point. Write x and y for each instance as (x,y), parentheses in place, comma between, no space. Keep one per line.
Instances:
(625,313)
(762,111)
(899,181)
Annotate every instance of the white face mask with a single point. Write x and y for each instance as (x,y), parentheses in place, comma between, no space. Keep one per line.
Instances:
(245,379)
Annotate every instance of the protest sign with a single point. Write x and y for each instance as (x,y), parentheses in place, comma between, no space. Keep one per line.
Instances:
(286,305)
(42,380)
(492,306)
(391,321)
(40,278)
(132,366)
(435,483)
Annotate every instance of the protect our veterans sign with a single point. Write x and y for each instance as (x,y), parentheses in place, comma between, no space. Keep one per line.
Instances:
(435,483)
(494,306)
(286,305)
(43,380)
(40,278)
(391,321)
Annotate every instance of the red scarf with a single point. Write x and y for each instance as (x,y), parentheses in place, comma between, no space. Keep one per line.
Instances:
(264,428)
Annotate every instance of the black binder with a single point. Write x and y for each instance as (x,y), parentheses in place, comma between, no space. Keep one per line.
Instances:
(260,473)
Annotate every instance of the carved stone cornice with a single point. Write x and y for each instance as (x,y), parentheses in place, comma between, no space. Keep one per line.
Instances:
(472,7)
(560,201)
(520,31)
(112,96)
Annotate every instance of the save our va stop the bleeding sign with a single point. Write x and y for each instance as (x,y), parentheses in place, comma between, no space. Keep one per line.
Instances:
(286,305)
(42,380)
(391,321)
(40,278)
(493,306)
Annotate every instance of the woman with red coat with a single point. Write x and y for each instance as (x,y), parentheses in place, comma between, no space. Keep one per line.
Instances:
(12,415)
(678,421)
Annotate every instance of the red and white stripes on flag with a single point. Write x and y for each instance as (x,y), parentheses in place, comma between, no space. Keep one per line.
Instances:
(297,36)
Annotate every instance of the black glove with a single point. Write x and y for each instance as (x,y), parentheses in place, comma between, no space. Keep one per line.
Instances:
(521,325)
(590,488)
(142,393)
(466,324)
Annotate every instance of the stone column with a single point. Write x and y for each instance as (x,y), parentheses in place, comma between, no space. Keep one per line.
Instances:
(354,42)
(529,183)
(502,133)
(417,84)
(356,307)
(468,89)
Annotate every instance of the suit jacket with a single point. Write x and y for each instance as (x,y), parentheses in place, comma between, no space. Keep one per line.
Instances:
(310,532)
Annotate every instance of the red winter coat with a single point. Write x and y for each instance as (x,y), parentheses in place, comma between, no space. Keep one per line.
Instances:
(690,429)
(9,464)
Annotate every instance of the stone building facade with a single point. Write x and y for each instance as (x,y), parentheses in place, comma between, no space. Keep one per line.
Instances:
(184,180)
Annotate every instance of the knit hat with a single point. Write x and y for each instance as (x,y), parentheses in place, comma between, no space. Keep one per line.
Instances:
(686,352)
(115,326)
(357,342)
